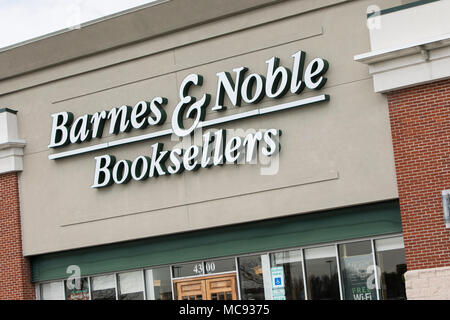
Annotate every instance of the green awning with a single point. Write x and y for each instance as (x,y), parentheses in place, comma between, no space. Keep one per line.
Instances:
(299,230)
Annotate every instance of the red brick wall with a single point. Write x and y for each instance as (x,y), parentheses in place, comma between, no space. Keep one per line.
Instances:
(420,122)
(14,268)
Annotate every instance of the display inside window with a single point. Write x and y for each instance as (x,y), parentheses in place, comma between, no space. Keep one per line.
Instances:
(159,284)
(52,291)
(251,278)
(290,264)
(77,289)
(131,285)
(357,270)
(321,273)
(103,287)
(391,261)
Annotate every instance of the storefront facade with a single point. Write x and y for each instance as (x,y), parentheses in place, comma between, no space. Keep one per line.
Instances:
(204,150)
(329,271)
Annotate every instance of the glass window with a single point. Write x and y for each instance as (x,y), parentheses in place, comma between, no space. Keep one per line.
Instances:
(104,287)
(52,291)
(131,285)
(291,264)
(321,273)
(357,270)
(391,261)
(78,289)
(251,278)
(159,284)
(223,265)
(188,269)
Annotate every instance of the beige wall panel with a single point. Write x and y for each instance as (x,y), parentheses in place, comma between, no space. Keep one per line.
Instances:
(310,32)
(169,41)
(36,123)
(334,154)
(318,143)
(152,19)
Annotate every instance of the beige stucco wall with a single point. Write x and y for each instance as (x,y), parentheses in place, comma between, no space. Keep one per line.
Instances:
(333,154)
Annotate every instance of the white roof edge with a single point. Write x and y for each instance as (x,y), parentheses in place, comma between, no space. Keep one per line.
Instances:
(84,24)
(368,56)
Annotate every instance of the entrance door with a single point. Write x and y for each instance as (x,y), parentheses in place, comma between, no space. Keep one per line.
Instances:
(221,287)
(191,290)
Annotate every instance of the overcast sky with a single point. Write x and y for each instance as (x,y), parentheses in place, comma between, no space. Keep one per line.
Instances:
(22,20)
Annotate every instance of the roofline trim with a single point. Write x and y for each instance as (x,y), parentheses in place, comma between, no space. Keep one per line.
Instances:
(84,24)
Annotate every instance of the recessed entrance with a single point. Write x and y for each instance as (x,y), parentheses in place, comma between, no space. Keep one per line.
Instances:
(220,287)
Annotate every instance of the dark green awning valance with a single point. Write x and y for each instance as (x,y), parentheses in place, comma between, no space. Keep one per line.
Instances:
(300,230)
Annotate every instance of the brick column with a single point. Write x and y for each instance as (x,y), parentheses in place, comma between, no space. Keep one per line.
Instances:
(420,123)
(14,268)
